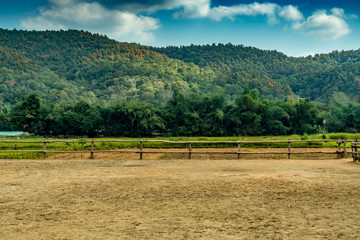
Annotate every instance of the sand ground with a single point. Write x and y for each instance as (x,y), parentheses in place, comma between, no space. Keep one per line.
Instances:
(180,199)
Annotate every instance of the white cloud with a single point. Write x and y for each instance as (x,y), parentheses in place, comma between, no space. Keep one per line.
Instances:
(184,8)
(338,12)
(324,25)
(291,13)
(202,9)
(255,9)
(321,24)
(193,9)
(76,14)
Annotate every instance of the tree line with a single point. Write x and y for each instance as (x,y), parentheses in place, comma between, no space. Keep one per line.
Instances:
(183,115)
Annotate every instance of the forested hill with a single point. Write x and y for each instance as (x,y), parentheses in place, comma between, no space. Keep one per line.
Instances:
(71,65)
(65,66)
(315,77)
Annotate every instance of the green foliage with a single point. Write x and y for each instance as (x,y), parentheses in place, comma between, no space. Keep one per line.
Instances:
(183,115)
(78,83)
(338,136)
(305,137)
(195,115)
(74,65)
(303,117)
(274,74)
(133,118)
(25,114)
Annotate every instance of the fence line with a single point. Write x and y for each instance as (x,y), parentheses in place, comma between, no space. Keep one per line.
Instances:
(340,152)
(167,141)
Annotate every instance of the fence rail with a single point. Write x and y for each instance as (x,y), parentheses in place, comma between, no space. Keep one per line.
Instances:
(341,152)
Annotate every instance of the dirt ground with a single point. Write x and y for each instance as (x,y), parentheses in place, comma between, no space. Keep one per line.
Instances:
(179,198)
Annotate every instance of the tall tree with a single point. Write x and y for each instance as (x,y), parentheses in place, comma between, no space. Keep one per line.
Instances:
(304,117)
(26,114)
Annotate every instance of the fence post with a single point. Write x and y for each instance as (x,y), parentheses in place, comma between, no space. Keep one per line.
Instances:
(141,148)
(189,149)
(354,150)
(339,141)
(15,148)
(238,151)
(92,150)
(345,148)
(44,149)
(289,149)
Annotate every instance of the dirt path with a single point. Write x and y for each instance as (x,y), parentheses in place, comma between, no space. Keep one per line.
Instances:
(179,199)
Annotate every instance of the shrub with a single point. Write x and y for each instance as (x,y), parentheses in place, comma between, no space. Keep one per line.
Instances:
(305,137)
(338,135)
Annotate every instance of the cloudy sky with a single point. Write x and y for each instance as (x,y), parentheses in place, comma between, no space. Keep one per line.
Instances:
(296,28)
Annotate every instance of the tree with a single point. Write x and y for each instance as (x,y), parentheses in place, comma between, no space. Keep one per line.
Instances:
(79,119)
(132,118)
(5,124)
(244,117)
(25,114)
(304,117)
(274,120)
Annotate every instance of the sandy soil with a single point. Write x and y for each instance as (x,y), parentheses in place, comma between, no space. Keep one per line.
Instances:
(179,199)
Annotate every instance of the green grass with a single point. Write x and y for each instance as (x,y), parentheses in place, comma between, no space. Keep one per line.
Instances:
(162,156)
(80,144)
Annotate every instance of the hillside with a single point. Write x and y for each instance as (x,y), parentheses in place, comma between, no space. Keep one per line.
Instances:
(315,77)
(89,66)
(325,74)
(66,66)
(236,66)
(19,76)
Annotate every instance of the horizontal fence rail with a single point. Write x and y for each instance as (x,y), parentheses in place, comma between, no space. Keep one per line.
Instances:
(341,152)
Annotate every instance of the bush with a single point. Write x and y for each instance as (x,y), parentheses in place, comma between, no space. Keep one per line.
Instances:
(338,136)
(305,137)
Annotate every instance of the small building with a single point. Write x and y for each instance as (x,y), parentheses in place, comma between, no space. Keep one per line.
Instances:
(11,133)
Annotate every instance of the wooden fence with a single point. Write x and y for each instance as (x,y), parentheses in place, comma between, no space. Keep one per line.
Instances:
(355,147)
(341,152)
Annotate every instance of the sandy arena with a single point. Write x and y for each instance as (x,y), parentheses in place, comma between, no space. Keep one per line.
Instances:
(179,199)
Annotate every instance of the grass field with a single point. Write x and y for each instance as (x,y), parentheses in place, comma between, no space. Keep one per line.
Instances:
(81,144)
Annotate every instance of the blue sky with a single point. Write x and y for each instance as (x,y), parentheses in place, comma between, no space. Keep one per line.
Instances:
(296,28)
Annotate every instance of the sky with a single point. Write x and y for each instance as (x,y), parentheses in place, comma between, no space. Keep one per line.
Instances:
(296,28)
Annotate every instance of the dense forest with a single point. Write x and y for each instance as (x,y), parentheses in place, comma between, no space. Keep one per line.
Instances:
(273,73)
(72,65)
(78,83)
(184,115)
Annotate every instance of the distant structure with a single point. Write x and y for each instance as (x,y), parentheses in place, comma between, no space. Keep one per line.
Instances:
(11,133)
